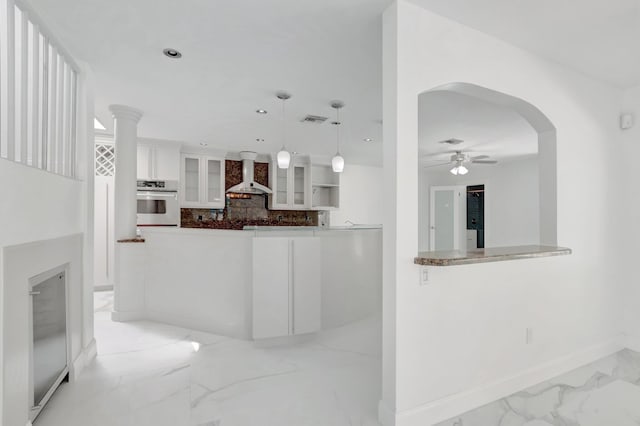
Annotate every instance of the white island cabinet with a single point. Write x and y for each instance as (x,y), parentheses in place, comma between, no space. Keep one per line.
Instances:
(254,284)
(286,286)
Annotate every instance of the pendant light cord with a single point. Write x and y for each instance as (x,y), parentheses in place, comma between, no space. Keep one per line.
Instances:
(284,129)
(338,128)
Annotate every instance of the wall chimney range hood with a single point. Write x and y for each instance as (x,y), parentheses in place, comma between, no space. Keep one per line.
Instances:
(248,185)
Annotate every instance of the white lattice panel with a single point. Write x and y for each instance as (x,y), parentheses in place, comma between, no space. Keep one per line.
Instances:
(105,159)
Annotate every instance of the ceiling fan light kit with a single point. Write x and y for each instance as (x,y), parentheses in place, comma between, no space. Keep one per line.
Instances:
(459,169)
(459,158)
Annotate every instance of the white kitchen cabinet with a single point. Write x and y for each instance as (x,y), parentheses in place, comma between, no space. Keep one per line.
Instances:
(286,286)
(291,187)
(325,188)
(158,161)
(144,162)
(202,181)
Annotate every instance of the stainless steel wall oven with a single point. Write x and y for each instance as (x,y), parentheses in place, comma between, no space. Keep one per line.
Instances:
(158,203)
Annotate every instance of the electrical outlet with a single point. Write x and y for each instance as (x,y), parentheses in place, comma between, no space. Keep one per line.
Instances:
(424,276)
(529,336)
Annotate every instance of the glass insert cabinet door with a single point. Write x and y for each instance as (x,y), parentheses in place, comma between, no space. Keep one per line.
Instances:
(202,181)
(215,189)
(191,179)
(289,186)
(299,182)
(282,192)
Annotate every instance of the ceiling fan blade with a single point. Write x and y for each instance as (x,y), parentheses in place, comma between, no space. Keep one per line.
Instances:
(435,154)
(479,157)
(436,165)
(484,161)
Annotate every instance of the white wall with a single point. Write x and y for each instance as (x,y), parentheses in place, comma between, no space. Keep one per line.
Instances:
(361,199)
(37,207)
(23,262)
(458,342)
(629,148)
(55,214)
(512,202)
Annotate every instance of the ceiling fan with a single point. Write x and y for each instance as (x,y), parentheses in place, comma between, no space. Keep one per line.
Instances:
(459,158)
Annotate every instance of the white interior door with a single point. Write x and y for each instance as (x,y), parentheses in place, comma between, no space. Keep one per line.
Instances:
(444,217)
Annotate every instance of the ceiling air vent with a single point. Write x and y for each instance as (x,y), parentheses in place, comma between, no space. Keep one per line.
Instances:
(316,119)
(452,141)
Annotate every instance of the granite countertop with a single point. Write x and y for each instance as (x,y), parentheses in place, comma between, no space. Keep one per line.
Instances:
(310,228)
(496,254)
(242,224)
(132,240)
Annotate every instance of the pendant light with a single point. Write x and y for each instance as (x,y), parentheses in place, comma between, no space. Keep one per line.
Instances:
(283,157)
(337,162)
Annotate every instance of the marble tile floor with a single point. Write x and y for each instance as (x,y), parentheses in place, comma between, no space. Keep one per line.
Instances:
(148,374)
(605,393)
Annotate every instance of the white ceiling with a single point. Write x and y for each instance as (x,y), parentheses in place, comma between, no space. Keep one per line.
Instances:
(597,37)
(485,128)
(236,55)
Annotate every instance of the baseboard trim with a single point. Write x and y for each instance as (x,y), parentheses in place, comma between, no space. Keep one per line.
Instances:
(451,406)
(83,359)
(124,316)
(91,351)
(106,287)
(386,415)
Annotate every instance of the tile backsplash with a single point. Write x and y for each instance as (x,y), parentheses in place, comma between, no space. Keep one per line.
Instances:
(244,209)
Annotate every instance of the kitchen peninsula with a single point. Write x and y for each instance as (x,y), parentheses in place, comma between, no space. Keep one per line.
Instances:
(203,279)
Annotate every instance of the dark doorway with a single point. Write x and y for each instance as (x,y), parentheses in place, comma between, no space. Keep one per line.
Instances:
(475,215)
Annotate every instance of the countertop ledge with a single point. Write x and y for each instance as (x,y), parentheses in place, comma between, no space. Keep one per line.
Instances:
(495,254)
(132,240)
(312,228)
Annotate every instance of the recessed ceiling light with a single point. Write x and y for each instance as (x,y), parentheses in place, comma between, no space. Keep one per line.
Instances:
(261,111)
(259,140)
(172,53)
(204,144)
(368,139)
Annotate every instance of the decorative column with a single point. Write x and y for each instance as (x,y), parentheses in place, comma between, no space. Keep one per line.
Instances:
(128,283)
(125,122)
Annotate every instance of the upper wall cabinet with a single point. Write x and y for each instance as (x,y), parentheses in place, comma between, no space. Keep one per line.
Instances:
(325,188)
(202,181)
(158,161)
(291,187)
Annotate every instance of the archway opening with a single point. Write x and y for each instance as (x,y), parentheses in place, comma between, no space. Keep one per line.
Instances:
(487,168)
